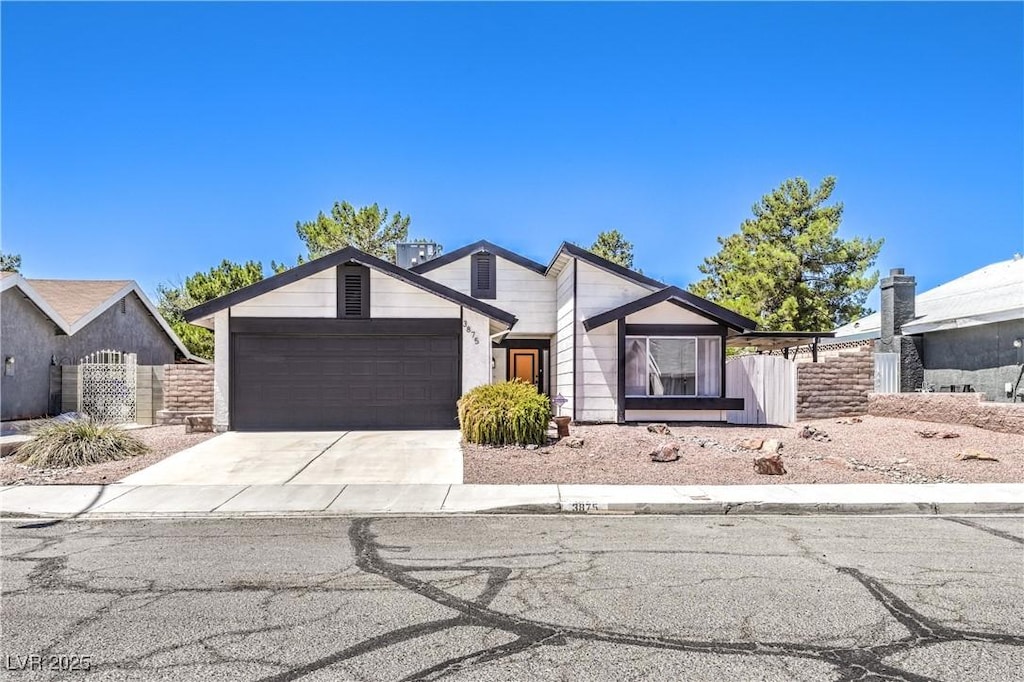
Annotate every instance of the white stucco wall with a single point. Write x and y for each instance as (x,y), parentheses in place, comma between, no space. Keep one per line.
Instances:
(221,370)
(476,350)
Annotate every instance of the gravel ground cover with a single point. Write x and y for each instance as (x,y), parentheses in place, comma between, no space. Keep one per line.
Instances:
(162,440)
(875,450)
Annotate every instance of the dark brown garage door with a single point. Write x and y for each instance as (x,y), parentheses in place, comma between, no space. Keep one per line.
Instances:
(345,381)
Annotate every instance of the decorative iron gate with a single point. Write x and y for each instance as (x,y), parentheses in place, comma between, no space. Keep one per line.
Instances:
(106,386)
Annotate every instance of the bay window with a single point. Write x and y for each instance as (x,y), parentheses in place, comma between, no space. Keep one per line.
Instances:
(676,366)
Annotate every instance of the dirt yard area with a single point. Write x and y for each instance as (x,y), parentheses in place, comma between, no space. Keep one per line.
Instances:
(162,440)
(875,450)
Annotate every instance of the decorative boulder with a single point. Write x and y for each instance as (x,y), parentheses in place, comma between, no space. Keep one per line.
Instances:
(573,442)
(660,429)
(771,446)
(769,466)
(751,444)
(666,452)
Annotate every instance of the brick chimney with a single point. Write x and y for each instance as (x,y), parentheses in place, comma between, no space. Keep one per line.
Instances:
(898,293)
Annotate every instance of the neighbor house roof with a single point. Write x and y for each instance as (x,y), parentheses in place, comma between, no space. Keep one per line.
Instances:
(349,254)
(73,303)
(683,299)
(993,293)
(73,299)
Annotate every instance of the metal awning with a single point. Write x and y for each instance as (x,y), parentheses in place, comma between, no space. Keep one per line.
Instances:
(767,341)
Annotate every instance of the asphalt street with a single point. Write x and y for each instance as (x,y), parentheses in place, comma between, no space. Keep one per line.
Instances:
(515,598)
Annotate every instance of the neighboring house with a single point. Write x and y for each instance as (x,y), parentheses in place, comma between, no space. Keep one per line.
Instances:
(968,332)
(51,322)
(352,341)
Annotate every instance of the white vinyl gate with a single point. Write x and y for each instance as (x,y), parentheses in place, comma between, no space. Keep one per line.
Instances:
(887,372)
(106,386)
(767,384)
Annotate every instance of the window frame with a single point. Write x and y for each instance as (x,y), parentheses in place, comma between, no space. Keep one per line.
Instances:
(696,364)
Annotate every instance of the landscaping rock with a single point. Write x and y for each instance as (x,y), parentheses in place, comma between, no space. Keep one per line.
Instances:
(573,442)
(769,466)
(532,446)
(849,420)
(814,434)
(972,453)
(666,452)
(660,429)
(937,434)
(771,446)
(199,423)
(751,444)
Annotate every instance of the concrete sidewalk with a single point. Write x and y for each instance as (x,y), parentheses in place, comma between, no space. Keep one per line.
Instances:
(124,500)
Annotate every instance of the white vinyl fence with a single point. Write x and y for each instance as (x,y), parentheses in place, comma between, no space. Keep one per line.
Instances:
(767,384)
(887,372)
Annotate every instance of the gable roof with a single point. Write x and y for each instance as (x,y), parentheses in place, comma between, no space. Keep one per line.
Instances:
(583,254)
(73,303)
(682,298)
(349,254)
(993,293)
(476,247)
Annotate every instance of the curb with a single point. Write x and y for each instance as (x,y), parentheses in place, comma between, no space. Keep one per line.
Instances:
(603,509)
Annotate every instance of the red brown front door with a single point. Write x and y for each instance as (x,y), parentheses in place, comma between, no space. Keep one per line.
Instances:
(524,364)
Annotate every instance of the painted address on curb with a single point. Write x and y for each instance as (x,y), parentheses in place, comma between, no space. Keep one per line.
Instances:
(584,507)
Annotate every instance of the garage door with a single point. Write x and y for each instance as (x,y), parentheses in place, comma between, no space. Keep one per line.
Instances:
(344,381)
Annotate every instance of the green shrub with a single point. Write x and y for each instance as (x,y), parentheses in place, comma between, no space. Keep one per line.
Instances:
(74,443)
(505,414)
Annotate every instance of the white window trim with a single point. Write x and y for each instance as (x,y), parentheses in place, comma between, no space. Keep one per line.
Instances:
(696,365)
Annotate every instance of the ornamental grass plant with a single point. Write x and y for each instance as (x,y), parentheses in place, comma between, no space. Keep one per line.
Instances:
(509,413)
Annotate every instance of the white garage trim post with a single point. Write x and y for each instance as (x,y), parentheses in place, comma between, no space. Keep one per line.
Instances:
(221,369)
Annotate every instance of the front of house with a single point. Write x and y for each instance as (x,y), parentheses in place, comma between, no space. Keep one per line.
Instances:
(349,341)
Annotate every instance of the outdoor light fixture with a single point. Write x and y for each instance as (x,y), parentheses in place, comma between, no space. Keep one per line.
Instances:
(1017,343)
(9,365)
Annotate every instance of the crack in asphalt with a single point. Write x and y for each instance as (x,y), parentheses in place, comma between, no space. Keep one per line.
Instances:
(851,663)
(987,529)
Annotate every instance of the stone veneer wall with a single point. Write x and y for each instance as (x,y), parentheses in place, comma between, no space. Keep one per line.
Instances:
(836,386)
(950,408)
(188,390)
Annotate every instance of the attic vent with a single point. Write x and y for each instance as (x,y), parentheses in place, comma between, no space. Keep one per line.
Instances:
(483,276)
(124,305)
(353,291)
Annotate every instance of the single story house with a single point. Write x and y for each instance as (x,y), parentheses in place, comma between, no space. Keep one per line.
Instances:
(46,323)
(352,341)
(965,334)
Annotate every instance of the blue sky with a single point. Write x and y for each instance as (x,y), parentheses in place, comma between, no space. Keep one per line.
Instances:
(148,141)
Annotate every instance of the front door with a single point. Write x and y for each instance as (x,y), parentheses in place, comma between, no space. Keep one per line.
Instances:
(524,364)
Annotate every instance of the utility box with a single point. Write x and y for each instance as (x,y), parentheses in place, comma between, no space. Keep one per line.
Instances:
(408,255)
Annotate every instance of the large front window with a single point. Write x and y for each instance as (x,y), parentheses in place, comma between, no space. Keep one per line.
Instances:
(673,366)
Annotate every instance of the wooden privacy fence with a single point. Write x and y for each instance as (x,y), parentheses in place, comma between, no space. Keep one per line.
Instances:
(767,384)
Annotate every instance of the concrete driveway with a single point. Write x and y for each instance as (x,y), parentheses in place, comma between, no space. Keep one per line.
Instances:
(312,457)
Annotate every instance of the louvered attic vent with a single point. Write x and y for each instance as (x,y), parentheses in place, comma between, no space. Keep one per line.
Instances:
(353,291)
(483,276)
